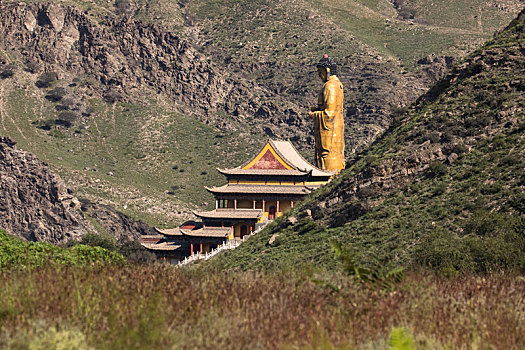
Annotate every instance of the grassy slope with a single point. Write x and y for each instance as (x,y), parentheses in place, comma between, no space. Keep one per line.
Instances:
(141,143)
(481,194)
(150,162)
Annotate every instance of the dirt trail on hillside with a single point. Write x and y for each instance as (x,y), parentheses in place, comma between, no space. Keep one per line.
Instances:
(2,111)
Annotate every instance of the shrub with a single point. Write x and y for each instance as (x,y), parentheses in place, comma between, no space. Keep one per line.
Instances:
(46,79)
(56,94)
(460,149)
(437,169)
(135,253)
(99,240)
(112,95)
(66,119)
(492,242)
(499,141)
(33,66)
(7,71)
(44,124)
(124,7)
(17,253)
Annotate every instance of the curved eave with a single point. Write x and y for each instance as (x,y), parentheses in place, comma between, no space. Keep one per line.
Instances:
(263,172)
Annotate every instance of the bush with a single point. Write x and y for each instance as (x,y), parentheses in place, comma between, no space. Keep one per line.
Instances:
(44,124)
(112,95)
(66,119)
(99,240)
(135,253)
(17,253)
(7,71)
(33,66)
(437,169)
(492,242)
(46,79)
(56,94)
(124,8)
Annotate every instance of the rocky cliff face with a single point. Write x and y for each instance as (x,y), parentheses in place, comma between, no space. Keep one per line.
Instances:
(124,55)
(35,204)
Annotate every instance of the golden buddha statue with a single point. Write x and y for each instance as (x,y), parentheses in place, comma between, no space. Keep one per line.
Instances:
(328,119)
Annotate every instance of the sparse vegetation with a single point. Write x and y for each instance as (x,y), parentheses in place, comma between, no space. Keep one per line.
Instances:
(162,307)
(46,79)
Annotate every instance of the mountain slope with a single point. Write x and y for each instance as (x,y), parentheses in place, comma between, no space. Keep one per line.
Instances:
(114,95)
(442,187)
(37,205)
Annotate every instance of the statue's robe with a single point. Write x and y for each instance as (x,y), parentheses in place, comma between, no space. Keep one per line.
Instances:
(329,127)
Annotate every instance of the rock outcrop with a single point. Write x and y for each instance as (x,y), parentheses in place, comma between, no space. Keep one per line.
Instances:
(36,205)
(125,54)
(116,223)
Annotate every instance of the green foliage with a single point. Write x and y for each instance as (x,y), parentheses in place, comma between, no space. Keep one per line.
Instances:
(437,169)
(492,242)
(42,337)
(135,253)
(400,339)
(384,276)
(16,253)
(105,241)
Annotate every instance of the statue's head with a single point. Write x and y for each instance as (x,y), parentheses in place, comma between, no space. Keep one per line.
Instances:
(326,67)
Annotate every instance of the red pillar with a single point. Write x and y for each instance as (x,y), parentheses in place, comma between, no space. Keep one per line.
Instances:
(191,248)
(291,202)
(277,211)
(251,228)
(201,247)
(254,204)
(263,205)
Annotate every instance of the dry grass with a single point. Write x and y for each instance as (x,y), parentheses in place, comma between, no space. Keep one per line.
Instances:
(159,307)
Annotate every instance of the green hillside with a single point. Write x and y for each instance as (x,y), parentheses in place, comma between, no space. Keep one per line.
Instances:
(148,161)
(150,156)
(443,187)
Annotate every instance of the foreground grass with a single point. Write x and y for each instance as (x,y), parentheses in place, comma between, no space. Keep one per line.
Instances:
(164,307)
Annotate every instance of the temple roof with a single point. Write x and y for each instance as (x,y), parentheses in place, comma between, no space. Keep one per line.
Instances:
(277,158)
(230,214)
(266,172)
(209,231)
(161,246)
(169,231)
(261,189)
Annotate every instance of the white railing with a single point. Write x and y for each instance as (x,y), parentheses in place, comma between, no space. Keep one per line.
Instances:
(226,245)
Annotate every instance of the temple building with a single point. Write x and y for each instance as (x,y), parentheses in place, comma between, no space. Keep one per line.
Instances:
(256,192)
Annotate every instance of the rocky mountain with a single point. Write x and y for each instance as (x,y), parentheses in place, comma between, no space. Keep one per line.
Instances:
(443,187)
(114,95)
(37,205)
(123,54)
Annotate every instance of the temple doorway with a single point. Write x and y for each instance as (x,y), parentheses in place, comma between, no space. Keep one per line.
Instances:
(271,212)
(244,230)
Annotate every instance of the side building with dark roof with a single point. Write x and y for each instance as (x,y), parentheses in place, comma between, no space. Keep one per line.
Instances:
(256,192)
